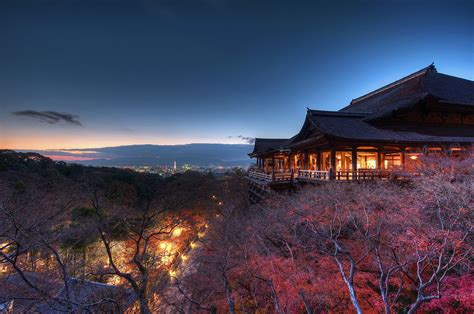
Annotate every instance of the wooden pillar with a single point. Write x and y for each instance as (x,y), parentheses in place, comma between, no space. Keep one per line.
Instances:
(354,163)
(333,162)
(305,160)
(273,167)
(379,158)
(402,157)
(318,160)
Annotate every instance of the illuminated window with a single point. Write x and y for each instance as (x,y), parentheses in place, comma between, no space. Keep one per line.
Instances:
(392,161)
(325,161)
(343,161)
(366,160)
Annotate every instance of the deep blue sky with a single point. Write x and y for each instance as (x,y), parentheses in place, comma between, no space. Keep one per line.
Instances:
(150,71)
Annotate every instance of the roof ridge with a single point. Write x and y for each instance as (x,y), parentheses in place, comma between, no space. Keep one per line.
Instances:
(339,113)
(430,68)
(271,139)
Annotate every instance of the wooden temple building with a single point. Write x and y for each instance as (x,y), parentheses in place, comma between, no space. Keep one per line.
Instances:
(376,134)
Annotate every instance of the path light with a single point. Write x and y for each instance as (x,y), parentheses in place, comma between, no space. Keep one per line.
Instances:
(200,234)
(166,246)
(184,258)
(177,232)
(193,245)
(172,273)
(220,203)
(116,280)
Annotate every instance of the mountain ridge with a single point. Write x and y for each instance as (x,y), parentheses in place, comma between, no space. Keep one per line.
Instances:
(198,154)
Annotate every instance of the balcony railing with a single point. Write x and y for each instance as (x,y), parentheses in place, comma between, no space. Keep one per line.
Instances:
(277,177)
(260,176)
(318,175)
(313,175)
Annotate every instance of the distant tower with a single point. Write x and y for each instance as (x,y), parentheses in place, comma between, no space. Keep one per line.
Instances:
(174,165)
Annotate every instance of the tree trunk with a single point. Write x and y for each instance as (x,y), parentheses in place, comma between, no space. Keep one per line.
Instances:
(414,307)
(144,308)
(228,293)
(349,282)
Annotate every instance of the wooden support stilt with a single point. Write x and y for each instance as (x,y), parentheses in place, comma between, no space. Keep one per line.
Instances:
(354,163)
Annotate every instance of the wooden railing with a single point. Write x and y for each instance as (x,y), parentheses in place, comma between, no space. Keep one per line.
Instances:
(318,175)
(269,177)
(310,175)
(361,174)
(283,176)
(260,176)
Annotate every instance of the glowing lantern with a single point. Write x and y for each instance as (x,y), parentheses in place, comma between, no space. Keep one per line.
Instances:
(172,273)
(184,258)
(193,245)
(166,246)
(177,232)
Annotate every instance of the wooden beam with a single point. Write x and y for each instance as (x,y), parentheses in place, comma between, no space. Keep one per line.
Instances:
(333,162)
(354,163)
(305,160)
(318,160)
(402,157)
(273,167)
(379,159)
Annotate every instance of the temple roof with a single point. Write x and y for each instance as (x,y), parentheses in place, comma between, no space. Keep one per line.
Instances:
(412,88)
(267,145)
(356,121)
(352,126)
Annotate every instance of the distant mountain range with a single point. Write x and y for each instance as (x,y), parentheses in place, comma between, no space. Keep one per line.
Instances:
(227,155)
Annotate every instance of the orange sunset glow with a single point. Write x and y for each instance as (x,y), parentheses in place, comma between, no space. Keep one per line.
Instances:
(58,141)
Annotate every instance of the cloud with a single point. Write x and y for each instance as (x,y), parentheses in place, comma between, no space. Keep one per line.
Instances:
(51,117)
(246,139)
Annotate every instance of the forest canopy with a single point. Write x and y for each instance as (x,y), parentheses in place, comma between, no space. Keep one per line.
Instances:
(193,243)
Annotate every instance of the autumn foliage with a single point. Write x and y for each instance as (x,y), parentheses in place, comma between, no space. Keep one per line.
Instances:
(193,244)
(385,246)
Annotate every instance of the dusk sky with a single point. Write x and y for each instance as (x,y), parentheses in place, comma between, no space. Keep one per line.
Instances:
(79,74)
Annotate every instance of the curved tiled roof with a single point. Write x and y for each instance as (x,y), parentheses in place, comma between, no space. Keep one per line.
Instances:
(353,126)
(267,145)
(416,86)
(353,122)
